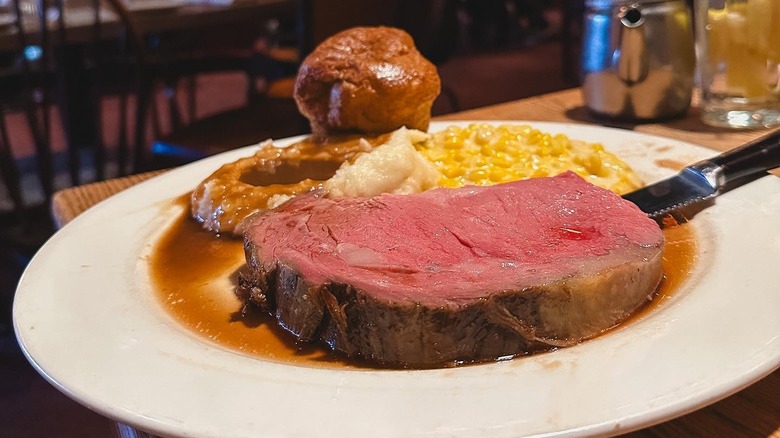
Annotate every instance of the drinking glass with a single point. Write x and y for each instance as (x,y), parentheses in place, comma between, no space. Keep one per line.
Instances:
(738,48)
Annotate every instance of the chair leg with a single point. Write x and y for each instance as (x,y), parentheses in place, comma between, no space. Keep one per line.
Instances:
(170,94)
(40,127)
(140,161)
(9,171)
(122,140)
(192,98)
(155,114)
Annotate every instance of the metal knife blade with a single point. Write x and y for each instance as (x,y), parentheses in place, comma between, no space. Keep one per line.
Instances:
(687,187)
(705,179)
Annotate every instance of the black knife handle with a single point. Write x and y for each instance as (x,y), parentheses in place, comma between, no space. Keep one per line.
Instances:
(756,156)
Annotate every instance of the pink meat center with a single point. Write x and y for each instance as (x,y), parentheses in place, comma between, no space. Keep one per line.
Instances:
(450,245)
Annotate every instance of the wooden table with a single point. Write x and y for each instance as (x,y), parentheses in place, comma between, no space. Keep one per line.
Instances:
(752,412)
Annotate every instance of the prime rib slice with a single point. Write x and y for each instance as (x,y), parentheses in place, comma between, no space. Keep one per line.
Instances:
(454,275)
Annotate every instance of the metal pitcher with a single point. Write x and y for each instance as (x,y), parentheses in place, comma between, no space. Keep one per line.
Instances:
(638,58)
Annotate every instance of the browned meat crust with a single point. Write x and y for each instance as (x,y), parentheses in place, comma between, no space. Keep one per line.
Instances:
(508,323)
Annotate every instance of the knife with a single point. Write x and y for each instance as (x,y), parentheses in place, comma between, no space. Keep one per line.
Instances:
(705,179)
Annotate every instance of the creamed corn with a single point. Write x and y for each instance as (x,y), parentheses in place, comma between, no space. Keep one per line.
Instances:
(483,154)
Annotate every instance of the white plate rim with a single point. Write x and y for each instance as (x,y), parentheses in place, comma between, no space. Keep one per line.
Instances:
(154,398)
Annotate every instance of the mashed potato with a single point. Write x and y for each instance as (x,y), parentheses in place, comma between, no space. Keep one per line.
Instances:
(394,167)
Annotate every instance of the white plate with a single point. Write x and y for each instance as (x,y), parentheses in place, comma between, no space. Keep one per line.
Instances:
(88,321)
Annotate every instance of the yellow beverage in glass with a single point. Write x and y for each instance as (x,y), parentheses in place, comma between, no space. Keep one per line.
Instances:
(739,61)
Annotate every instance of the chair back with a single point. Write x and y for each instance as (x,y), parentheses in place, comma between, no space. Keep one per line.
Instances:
(73,93)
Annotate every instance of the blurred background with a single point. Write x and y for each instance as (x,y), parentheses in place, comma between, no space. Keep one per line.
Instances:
(94,89)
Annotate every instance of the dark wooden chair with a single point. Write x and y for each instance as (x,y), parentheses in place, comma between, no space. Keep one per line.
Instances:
(432,23)
(74,95)
(237,46)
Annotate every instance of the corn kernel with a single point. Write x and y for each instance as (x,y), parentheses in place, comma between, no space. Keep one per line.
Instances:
(450,183)
(457,156)
(504,145)
(502,160)
(477,174)
(482,137)
(453,171)
(453,142)
(497,176)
